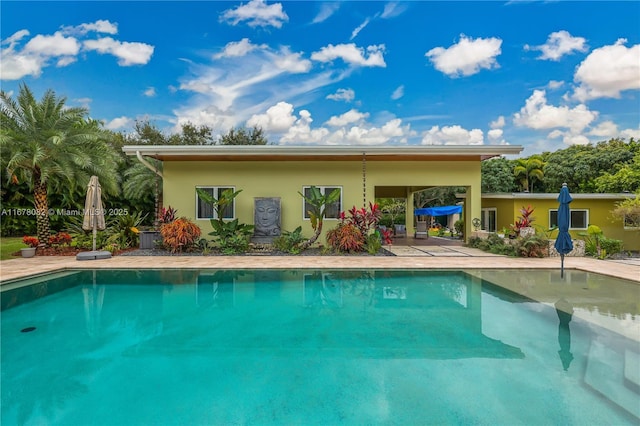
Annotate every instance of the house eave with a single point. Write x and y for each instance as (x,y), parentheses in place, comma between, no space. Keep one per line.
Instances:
(323,152)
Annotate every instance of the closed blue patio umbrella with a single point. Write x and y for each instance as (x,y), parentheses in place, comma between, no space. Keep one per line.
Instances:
(563,243)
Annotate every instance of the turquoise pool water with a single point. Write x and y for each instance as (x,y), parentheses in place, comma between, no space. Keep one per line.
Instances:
(196,347)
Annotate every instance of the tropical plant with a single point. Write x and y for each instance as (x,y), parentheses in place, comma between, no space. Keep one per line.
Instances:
(393,208)
(231,236)
(459,227)
(30,241)
(525,220)
(373,243)
(346,237)
(168,214)
(52,147)
(532,246)
(318,204)
(289,241)
(528,170)
(180,235)
(123,230)
(60,239)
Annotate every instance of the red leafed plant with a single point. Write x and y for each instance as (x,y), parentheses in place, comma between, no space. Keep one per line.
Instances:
(346,238)
(60,239)
(168,214)
(386,235)
(30,241)
(525,220)
(365,220)
(180,235)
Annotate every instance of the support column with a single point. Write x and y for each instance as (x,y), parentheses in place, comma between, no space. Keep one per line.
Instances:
(409,213)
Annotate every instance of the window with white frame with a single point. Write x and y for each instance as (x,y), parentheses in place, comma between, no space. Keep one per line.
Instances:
(488,219)
(578,218)
(332,210)
(205,210)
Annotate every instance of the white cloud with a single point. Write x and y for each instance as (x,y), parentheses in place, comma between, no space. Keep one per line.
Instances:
(351,116)
(99,26)
(570,124)
(256,13)
(52,46)
(348,128)
(498,123)
(537,114)
(606,129)
(495,137)
(393,9)
(36,54)
(119,123)
(467,57)
(452,135)
(346,95)
(607,71)
(278,118)
(351,54)
(553,84)
(360,27)
(398,93)
(238,48)
(291,62)
(150,92)
(326,11)
(128,53)
(558,44)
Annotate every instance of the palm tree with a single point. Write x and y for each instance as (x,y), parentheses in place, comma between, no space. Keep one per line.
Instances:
(529,169)
(53,148)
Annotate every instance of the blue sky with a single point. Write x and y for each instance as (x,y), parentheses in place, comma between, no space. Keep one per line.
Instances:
(544,75)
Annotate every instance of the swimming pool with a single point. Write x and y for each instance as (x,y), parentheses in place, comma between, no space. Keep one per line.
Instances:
(326,347)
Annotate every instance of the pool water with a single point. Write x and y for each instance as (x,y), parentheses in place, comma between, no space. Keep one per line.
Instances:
(196,347)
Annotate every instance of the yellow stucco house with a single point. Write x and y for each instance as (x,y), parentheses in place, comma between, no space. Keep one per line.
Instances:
(501,210)
(361,173)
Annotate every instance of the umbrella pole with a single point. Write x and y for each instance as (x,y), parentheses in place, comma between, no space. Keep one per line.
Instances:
(95,224)
(561,265)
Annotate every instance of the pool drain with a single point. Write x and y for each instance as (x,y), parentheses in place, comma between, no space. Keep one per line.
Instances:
(27,329)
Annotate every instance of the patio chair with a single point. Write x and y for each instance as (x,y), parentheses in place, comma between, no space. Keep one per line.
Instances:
(399,231)
(421,230)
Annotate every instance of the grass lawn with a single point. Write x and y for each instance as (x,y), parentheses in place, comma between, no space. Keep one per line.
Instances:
(10,245)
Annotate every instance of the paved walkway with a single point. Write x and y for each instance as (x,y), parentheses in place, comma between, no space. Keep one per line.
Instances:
(407,257)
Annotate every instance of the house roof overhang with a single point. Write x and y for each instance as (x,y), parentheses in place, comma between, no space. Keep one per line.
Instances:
(321,152)
(554,196)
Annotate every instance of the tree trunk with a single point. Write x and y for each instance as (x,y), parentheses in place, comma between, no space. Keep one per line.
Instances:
(42,212)
(314,238)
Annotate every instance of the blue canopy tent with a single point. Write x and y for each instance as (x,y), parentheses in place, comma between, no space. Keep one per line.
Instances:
(438,211)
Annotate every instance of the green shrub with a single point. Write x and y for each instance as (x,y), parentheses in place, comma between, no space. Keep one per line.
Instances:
(532,246)
(289,242)
(374,243)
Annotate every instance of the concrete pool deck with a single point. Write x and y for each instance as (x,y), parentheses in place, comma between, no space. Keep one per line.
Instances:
(407,257)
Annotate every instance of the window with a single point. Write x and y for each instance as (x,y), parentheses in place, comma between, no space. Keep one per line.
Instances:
(333,210)
(579,219)
(488,220)
(205,210)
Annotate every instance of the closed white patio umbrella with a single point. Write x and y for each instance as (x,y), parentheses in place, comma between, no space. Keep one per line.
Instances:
(93,219)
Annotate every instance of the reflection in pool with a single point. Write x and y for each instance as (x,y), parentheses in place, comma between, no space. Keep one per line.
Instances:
(320,347)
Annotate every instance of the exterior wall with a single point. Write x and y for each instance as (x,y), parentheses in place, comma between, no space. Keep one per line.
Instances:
(285,179)
(599,215)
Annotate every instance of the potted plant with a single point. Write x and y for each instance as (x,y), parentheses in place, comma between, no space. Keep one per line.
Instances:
(33,243)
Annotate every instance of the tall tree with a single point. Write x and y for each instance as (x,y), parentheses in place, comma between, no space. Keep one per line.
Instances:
(52,148)
(242,136)
(529,170)
(497,176)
